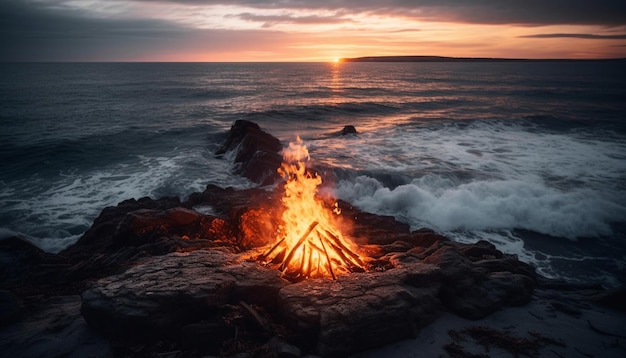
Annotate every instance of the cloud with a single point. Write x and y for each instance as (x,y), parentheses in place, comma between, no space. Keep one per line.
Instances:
(29,33)
(524,12)
(271,20)
(576,36)
(41,33)
(122,30)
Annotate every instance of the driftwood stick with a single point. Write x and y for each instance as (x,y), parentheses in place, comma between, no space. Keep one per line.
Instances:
(260,321)
(319,264)
(302,261)
(314,246)
(308,273)
(265,256)
(354,256)
(345,261)
(330,265)
(345,253)
(297,245)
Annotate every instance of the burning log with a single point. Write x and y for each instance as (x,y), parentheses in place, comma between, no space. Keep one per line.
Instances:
(330,265)
(297,245)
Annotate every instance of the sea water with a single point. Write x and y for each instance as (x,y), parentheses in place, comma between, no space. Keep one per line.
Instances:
(528,155)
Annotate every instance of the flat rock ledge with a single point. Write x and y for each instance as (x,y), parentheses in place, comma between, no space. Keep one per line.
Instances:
(217,301)
(208,297)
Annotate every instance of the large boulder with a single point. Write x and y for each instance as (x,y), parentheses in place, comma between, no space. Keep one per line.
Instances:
(257,153)
(176,229)
(254,214)
(100,234)
(475,289)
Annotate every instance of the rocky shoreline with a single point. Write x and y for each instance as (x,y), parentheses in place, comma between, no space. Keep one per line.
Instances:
(163,278)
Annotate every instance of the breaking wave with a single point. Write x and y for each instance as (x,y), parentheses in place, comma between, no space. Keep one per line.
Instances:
(436,202)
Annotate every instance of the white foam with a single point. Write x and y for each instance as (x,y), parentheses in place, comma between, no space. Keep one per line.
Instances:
(484,179)
(488,175)
(433,201)
(205,209)
(55,216)
(493,148)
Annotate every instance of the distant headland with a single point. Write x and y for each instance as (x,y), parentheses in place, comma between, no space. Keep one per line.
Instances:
(459,59)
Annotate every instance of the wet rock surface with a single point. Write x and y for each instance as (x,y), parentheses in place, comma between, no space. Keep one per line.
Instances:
(155,276)
(206,293)
(257,153)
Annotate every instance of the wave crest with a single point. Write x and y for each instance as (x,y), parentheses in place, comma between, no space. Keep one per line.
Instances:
(439,203)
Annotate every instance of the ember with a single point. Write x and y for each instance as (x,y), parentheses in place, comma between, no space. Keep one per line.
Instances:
(309,242)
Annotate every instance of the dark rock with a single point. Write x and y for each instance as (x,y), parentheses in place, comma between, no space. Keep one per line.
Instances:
(164,294)
(204,336)
(423,239)
(18,259)
(453,264)
(361,311)
(481,250)
(474,290)
(257,153)
(254,283)
(11,308)
(254,213)
(508,263)
(147,227)
(54,328)
(348,130)
(282,349)
(100,235)
(614,298)
(370,228)
(24,268)
(95,254)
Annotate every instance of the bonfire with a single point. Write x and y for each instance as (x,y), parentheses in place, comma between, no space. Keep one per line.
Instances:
(310,242)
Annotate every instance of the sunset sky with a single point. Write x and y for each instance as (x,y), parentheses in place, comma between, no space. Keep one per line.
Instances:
(307,30)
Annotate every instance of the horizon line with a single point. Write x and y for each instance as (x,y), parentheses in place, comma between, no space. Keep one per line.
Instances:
(392,58)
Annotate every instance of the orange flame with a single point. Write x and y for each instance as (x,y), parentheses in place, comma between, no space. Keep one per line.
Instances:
(309,243)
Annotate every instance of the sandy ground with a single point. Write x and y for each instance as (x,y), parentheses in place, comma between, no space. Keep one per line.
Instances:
(572,328)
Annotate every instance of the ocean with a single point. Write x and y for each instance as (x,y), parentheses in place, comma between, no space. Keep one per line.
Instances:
(530,156)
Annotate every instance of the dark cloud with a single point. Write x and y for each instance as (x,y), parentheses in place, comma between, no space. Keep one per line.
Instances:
(524,12)
(29,33)
(528,12)
(577,36)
